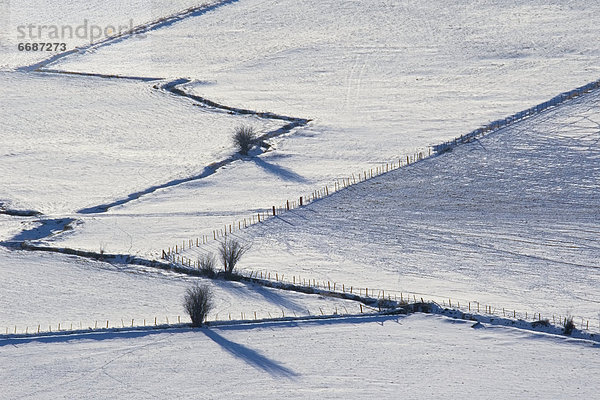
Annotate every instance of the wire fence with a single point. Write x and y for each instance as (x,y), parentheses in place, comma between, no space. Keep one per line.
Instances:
(173,253)
(390,298)
(323,310)
(501,123)
(471,306)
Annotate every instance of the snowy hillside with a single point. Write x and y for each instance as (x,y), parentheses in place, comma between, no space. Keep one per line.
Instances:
(510,220)
(117,162)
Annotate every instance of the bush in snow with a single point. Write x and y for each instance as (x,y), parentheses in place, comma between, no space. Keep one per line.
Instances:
(206,264)
(569,325)
(243,137)
(197,303)
(231,251)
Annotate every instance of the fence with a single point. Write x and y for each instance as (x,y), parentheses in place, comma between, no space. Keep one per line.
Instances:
(184,321)
(173,253)
(471,306)
(501,123)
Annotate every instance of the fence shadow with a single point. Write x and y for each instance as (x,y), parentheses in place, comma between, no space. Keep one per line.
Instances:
(62,337)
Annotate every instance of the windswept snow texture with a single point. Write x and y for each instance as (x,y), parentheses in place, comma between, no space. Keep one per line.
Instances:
(511,220)
(419,356)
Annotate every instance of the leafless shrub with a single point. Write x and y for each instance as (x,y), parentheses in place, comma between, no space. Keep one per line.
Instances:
(198,303)
(206,264)
(243,137)
(568,326)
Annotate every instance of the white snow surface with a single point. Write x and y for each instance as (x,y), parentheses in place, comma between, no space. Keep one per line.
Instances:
(77,142)
(377,77)
(48,289)
(419,356)
(379,80)
(510,220)
(77,23)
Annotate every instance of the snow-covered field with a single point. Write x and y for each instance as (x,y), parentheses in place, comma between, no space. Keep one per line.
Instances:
(510,220)
(374,94)
(403,74)
(74,22)
(48,289)
(75,142)
(419,356)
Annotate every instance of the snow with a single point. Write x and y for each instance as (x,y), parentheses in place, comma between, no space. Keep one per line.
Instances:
(16,17)
(403,75)
(419,356)
(48,289)
(92,141)
(424,75)
(510,220)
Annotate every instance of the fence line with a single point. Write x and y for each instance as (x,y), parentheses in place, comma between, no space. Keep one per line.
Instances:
(173,253)
(501,123)
(158,322)
(472,308)
(403,297)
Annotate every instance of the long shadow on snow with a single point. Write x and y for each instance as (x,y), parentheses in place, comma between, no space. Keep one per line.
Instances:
(285,174)
(209,170)
(250,356)
(61,337)
(135,333)
(251,290)
(48,227)
(311,321)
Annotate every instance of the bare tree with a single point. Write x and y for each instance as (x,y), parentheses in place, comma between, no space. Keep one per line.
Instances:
(198,303)
(231,251)
(243,137)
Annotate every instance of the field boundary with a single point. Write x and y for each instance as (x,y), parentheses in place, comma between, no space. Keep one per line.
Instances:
(175,253)
(521,115)
(58,334)
(139,29)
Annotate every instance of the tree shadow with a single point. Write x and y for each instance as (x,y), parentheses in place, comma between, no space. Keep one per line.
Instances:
(273,296)
(250,356)
(281,172)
